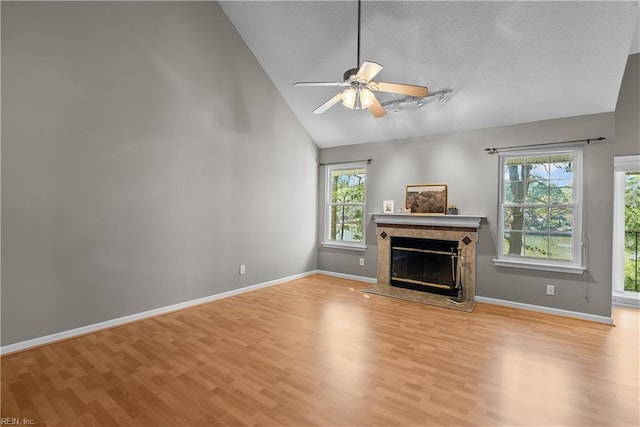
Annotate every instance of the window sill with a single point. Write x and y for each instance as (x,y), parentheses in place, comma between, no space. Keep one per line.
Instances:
(360,247)
(533,265)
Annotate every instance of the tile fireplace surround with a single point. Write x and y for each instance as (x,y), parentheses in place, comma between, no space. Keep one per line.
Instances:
(461,228)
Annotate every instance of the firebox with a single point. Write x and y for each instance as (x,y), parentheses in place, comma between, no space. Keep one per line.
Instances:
(425,265)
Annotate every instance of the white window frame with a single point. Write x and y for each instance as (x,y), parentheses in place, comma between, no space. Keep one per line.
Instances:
(327,242)
(564,266)
(622,164)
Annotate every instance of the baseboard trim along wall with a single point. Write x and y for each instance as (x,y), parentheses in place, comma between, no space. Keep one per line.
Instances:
(625,301)
(548,310)
(348,276)
(59,336)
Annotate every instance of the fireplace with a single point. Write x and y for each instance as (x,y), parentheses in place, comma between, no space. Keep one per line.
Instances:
(445,243)
(425,264)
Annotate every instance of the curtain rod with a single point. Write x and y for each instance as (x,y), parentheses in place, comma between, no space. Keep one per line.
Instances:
(350,161)
(544,144)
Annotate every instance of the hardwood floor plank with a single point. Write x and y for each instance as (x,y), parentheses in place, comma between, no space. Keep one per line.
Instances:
(317,351)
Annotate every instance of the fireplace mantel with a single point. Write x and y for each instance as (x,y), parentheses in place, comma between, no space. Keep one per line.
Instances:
(469,221)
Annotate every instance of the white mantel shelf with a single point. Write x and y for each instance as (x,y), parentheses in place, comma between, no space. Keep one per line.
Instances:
(471,221)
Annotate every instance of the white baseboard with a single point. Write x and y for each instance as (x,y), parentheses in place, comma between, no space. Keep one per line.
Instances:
(48,339)
(548,310)
(625,301)
(348,276)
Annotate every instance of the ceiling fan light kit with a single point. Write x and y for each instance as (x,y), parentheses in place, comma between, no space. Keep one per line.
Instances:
(349,97)
(358,94)
(358,98)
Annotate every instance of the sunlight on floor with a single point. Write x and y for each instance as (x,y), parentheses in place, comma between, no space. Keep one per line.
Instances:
(532,384)
(345,333)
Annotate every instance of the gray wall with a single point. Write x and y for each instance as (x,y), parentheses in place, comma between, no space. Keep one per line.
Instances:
(628,110)
(145,155)
(472,177)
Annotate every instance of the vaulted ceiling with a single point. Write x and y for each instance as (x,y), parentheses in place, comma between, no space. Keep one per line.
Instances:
(506,62)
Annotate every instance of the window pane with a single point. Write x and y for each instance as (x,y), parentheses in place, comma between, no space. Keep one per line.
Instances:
(336,232)
(342,214)
(561,170)
(561,191)
(561,178)
(536,244)
(358,213)
(561,219)
(536,219)
(347,186)
(538,191)
(348,194)
(348,232)
(514,192)
(346,223)
(356,231)
(514,177)
(513,243)
(538,167)
(632,261)
(632,231)
(345,233)
(632,201)
(561,245)
(513,219)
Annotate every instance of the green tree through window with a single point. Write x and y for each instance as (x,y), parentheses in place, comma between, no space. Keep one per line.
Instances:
(632,231)
(346,204)
(539,206)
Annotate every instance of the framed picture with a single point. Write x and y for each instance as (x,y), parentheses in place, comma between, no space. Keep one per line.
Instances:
(387,206)
(426,199)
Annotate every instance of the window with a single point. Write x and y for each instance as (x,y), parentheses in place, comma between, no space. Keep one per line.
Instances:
(540,211)
(345,205)
(632,231)
(626,230)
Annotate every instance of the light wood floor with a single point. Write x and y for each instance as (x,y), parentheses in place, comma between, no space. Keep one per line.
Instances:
(317,351)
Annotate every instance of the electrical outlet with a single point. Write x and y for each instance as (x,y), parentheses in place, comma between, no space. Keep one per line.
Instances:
(242,269)
(551,290)
(361,261)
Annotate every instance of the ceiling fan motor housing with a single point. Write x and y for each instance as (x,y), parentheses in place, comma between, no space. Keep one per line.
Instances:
(350,74)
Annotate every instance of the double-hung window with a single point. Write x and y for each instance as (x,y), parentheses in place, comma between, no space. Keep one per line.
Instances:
(345,205)
(540,211)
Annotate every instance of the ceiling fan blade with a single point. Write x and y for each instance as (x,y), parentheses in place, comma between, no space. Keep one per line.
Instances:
(376,109)
(411,90)
(330,103)
(368,70)
(333,84)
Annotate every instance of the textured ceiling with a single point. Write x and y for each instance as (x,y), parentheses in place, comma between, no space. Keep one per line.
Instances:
(507,62)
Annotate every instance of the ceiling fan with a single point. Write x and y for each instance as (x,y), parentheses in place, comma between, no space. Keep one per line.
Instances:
(359,86)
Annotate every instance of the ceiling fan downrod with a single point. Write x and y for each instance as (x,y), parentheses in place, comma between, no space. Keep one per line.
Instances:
(358,50)
(351,73)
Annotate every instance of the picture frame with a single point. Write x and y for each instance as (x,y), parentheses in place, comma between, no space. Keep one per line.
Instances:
(387,206)
(426,199)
